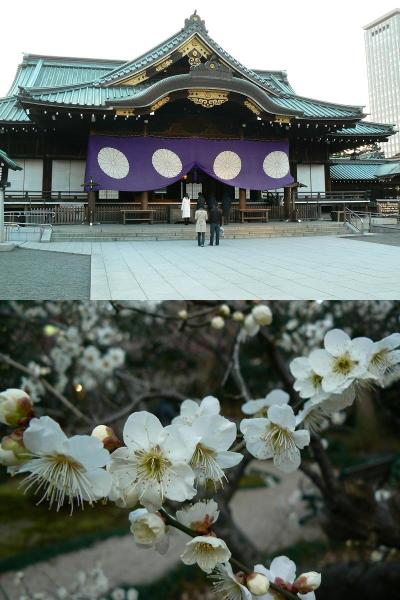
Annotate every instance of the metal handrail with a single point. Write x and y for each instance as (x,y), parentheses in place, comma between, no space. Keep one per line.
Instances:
(353,218)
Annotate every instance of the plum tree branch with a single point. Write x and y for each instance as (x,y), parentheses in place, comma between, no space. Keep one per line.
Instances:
(234,561)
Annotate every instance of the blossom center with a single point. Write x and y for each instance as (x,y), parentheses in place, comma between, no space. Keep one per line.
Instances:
(316,380)
(344,364)
(152,464)
(279,439)
(381,358)
(59,476)
(205,464)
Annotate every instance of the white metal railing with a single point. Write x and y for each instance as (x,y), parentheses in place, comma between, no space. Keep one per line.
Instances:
(26,232)
(354,219)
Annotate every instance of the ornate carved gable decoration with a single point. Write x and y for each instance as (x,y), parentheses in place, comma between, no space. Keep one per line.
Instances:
(195,49)
(208,98)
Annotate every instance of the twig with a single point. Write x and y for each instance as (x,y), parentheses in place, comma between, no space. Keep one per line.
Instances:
(52,390)
(174,523)
(236,370)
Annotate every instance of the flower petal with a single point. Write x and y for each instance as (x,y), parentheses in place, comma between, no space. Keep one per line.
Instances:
(89,451)
(301,438)
(282,416)
(215,431)
(337,342)
(321,362)
(44,436)
(180,442)
(288,462)
(300,367)
(100,483)
(143,430)
(179,486)
(210,406)
(228,459)
(277,397)
(284,568)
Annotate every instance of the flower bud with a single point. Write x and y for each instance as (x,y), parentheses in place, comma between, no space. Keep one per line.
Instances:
(147,528)
(224,310)
(107,436)
(262,314)
(307,582)
(238,316)
(217,323)
(12,449)
(257,583)
(183,314)
(16,408)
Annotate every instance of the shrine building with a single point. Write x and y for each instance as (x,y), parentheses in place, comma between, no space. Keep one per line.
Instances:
(111,135)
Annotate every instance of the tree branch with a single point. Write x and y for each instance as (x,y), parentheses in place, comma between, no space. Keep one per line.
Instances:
(52,390)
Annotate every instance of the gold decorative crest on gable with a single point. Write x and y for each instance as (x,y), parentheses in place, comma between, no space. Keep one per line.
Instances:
(160,103)
(195,50)
(135,80)
(208,98)
(253,107)
(164,64)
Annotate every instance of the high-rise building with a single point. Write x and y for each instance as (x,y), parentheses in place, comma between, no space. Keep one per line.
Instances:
(382,43)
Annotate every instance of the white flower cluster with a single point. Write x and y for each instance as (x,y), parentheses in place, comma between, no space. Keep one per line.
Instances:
(86,352)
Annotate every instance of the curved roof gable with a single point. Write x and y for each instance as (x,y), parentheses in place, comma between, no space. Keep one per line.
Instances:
(194,29)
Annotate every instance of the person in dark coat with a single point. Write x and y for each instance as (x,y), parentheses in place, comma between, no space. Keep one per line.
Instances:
(201,201)
(226,206)
(215,220)
(211,202)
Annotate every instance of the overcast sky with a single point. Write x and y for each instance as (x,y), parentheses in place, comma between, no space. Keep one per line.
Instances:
(320,44)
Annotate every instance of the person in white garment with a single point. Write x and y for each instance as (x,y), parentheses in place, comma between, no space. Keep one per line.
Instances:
(185,209)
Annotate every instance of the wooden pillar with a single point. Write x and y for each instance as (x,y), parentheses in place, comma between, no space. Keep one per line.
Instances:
(242,198)
(144,200)
(91,207)
(287,202)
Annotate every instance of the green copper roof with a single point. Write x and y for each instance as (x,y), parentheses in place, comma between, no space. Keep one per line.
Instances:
(352,170)
(9,161)
(367,128)
(11,112)
(390,169)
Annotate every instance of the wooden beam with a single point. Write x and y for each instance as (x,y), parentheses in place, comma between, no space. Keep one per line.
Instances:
(242,198)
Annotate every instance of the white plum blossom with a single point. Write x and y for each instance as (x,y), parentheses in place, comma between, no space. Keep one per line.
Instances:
(343,361)
(149,529)
(257,583)
(91,358)
(385,355)
(282,572)
(199,516)
(154,461)
(260,407)
(191,410)
(227,585)
(308,582)
(215,435)
(62,467)
(207,551)
(116,357)
(276,437)
(307,381)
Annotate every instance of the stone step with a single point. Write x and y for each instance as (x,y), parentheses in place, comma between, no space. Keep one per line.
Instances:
(165,237)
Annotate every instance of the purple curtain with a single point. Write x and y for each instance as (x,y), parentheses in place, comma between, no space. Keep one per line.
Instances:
(150,163)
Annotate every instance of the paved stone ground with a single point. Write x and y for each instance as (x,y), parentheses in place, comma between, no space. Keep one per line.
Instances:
(320,267)
(265,515)
(33,275)
(388,239)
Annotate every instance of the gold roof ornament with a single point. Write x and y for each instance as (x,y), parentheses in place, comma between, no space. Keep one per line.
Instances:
(125,112)
(252,106)
(282,119)
(195,50)
(135,80)
(160,103)
(208,98)
(164,64)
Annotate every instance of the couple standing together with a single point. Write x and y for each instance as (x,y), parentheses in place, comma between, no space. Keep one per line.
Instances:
(214,217)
